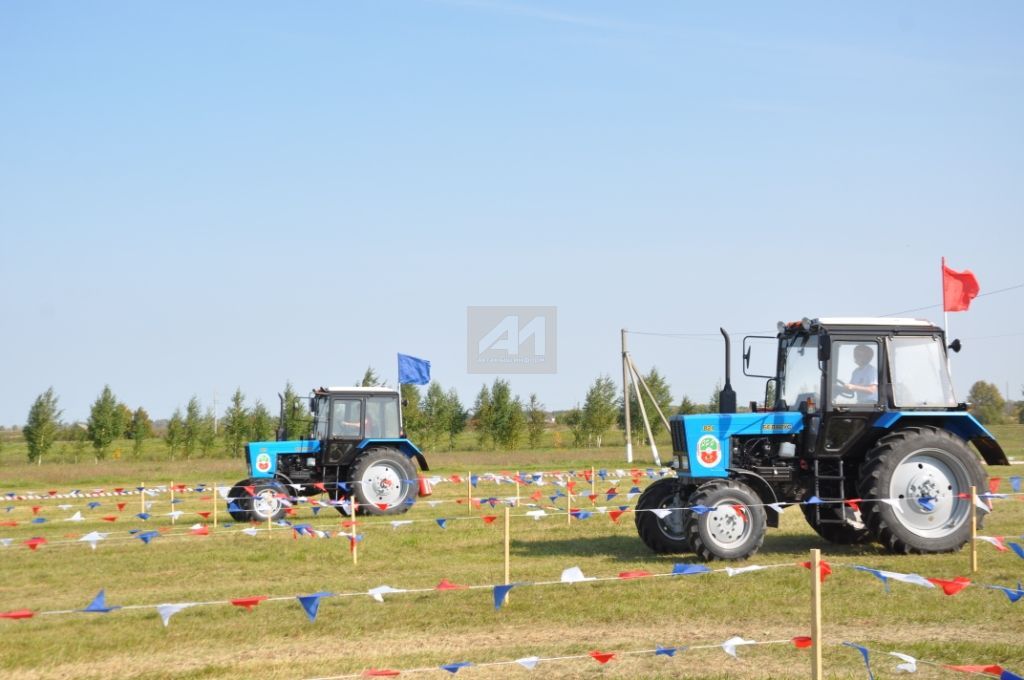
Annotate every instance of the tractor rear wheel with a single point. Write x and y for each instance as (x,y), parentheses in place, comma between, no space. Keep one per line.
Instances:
(383,481)
(662,534)
(920,479)
(852,530)
(733,526)
(267,502)
(238,500)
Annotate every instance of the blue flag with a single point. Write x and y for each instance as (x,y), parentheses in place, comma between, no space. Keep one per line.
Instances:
(413,371)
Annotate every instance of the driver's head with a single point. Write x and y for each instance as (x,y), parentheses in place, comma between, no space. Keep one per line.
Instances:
(862,354)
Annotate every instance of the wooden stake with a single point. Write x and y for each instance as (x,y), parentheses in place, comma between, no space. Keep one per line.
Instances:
(355,536)
(974,530)
(816,671)
(593,482)
(568,508)
(508,569)
(469,488)
(517,490)
(142,497)
(215,504)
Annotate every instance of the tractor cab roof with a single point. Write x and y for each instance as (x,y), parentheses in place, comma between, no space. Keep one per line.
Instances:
(356,390)
(867,323)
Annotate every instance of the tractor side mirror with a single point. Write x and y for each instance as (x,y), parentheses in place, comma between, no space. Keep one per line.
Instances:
(955,345)
(405,402)
(824,348)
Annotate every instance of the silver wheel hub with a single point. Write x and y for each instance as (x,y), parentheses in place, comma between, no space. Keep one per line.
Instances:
(926,490)
(728,524)
(266,503)
(383,485)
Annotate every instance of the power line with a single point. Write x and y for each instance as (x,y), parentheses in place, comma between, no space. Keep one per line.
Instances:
(991,292)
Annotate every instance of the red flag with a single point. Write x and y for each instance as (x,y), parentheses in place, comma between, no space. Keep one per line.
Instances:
(201,531)
(602,657)
(489,519)
(992,669)
(34,543)
(36,509)
(380,673)
(802,642)
(958,289)
(638,573)
(248,602)
(18,614)
(824,569)
(951,587)
(204,514)
(445,584)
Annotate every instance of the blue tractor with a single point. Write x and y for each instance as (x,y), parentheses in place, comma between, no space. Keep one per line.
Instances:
(860,427)
(357,449)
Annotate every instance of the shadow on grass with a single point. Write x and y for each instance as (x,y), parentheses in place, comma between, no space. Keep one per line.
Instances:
(632,549)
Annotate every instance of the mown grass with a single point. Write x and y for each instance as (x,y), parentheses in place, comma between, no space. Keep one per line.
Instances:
(426,630)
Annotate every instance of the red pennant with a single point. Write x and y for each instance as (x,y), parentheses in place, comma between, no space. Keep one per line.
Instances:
(251,490)
(958,289)
(592,497)
(616,514)
(179,487)
(77,535)
(802,642)
(445,584)
(287,511)
(52,492)
(612,491)
(383,506)
(119,489)
(164,530)
(36,509)
(992,669)
(571,486)
(951,587)
(489,519)
(249,602)
(320,486)
(380,673)
(602,657)
(204,514)
(993,484)
(741,511)
(18,614)
(206,498)
(8,524)
(825,569)
(120,506)
(587,475)
(348,524)
(456,479)
(638,573)
(109,518)
(854,503)
(201,531)
(535,496)
(34,543)
(476,503)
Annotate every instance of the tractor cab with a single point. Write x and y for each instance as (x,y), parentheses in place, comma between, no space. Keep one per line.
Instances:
(356,413)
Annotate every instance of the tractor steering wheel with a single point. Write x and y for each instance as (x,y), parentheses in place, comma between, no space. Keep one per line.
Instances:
(842,389)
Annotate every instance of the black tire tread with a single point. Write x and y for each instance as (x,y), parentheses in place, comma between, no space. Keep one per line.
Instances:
(701,497)
(648,524)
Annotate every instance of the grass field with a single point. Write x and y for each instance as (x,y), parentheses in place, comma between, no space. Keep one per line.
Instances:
(426,630)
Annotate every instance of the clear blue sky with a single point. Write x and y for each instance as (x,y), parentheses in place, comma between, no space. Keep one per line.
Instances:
(190,190)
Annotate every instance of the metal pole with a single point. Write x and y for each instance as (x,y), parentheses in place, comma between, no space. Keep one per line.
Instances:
(643,414)
(625,400)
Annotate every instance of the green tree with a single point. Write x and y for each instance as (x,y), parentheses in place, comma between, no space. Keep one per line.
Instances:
(1020,412)
(599,409)
(457,417)
(507,418)
(104,424)
(42,426)
(141,429)
(207,432)
(236,424)
(483,415)
(715,400)
(687,406)
(126,421)
(663,396)
(261,423)
(193,427)
(536,421)
(370,378)
(987,403)
(573,419)
(175,433)
(294,421)
(436,416)
(412,413)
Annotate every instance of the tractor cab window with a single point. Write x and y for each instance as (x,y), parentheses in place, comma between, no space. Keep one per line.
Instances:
(800,372)
(346,417)
(920,376)
(382,417)
(321,415)
(854,373)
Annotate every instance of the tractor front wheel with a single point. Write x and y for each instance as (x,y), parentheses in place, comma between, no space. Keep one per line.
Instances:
(730,522)
(238,501)
(920,480)
(659,521)
(383,481)
(267,502)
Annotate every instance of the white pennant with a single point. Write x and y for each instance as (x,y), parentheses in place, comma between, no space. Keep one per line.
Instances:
(915,579)
(911,663)
(993,540)
(529,662)
(536,514)
(166,611)
(777,507)
(981,504)
(4,542)
(175,514)
(64,506)
(400,522)
(743,570)
(434,503)
(93,538)
(730,645)
(379,592)
(77,517)
(251,531)
(662,513)
(575,575)
(224,491)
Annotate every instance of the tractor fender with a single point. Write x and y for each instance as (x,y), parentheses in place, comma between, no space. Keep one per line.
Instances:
(400,443)
(960,423)
(762,488)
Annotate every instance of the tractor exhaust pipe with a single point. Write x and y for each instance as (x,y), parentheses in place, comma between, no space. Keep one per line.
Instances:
(727,397)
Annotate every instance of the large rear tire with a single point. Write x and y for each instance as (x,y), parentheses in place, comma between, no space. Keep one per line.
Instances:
(383,481)
(913,464)
(733,528)
(667,534)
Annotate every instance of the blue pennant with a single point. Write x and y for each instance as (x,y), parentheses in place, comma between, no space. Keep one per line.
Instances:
(474,479)
(682,569)
(877,574)
(143,516)
(39,520)
(813,500)
(927,502)
(99,604)
(1014,595)
(864,652)
(665,651)
(1015,483)
(147,536)
(316,510)
(94,504)
(499,594)
(311,603)
(1017,548)
(442,522)
(453,668)
(701,509)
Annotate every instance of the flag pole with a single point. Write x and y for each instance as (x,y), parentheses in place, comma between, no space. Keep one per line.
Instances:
(945,315)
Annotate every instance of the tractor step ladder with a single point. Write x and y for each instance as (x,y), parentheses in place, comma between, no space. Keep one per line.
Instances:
(832,491)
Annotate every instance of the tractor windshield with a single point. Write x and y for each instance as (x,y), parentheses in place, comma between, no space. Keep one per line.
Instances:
(920,376)
(800,372)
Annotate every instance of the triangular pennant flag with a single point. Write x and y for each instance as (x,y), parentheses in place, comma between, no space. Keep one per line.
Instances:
(1015,483)
(575,575)
(616,514)
(802,642)
(18,614)
(379,592)
(200,530)
(445,584)
(602,657)
(204,514)
(731,571)
(528,662)
(683,569)
(77,517)
(248,602)
(982,505)
(1017,548)
(232,507)
(813,500)
(147,536)
(489,519)
(928,503)
(34,542)
(997,541)
(536,514)
(700,509)
(1012,594)
(99,604)
(662,513)
(251,531)
(311,603)
(867,660)
(824,568)
(909,664)
(400,522)
(453,668)
(729,646)
(442,522)
(990,669)
(636,573)
(1009,675)
(500,593)
(380,673)
(664,651)
(166,611)
(92,538)
(777,507)
(951,587)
